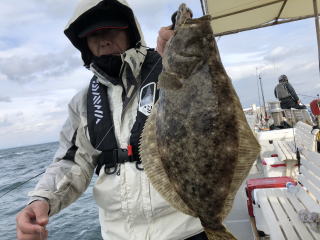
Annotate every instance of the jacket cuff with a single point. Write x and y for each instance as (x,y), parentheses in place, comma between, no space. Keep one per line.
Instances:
(47,196)
(33,199)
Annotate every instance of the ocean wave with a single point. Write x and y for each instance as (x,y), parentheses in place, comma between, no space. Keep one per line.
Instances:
(15,154)
(20,153)
(28,163)
(41,151)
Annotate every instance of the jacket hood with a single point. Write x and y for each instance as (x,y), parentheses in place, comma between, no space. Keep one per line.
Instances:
(88,11)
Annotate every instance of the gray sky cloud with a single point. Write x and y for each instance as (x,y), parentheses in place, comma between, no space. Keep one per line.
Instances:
(5,99)
(24,68)
(4,123)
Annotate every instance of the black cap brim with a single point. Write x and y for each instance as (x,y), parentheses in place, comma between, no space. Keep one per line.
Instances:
(108,24)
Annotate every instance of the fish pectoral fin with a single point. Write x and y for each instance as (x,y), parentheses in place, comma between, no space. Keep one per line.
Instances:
(219,234)
(169,80)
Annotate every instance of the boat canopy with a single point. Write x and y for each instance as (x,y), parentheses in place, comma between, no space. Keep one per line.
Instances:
(231,16)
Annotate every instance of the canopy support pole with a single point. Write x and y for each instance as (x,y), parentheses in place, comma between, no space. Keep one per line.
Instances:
(316,18)
(203,8)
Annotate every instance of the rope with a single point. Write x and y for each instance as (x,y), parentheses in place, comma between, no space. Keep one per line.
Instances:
(307,96)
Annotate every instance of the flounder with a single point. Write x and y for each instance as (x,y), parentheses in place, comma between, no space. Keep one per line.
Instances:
(197,147)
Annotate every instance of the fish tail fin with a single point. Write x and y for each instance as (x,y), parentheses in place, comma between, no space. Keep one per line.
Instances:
(219,234)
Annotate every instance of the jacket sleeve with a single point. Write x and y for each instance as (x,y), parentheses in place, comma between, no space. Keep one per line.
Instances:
(69,175)
(292,92)
(275,92)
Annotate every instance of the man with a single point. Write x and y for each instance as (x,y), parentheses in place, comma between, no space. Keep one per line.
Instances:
(102,134)
(286,94)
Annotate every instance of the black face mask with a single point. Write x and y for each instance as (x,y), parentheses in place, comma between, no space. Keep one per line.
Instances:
(109,64)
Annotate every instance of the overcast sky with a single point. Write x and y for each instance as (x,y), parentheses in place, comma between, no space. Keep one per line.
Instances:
(40,70)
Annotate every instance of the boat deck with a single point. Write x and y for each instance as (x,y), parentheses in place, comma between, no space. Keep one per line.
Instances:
(238,221)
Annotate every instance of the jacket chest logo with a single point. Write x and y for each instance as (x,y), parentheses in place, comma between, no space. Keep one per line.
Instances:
(147,98)
(96,100)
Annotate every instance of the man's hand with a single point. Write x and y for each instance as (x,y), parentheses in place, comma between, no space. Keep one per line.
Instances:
(165,34)
(32,220)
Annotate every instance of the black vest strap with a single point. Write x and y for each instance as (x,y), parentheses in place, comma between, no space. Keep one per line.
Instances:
(100,123)
(112,158)
(99,117)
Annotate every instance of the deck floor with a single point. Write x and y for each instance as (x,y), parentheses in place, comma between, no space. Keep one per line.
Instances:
(238,221)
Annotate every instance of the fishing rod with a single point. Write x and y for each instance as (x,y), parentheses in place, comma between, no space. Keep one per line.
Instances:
(10,190)
(263,99)
(307,96)
(258,87)
(262,94)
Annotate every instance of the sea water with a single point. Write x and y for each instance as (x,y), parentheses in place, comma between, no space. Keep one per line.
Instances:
(79,221)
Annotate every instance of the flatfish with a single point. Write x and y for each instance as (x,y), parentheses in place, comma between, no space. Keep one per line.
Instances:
(197,147)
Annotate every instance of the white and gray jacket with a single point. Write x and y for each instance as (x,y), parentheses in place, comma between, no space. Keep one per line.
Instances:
(129,207)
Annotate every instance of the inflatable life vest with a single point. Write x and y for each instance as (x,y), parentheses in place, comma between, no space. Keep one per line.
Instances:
(100,123)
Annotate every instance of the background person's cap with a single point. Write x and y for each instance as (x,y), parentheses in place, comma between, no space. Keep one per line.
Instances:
(104,24)
(283,78)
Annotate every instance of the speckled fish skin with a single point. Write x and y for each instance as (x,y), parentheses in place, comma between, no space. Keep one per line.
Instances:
(197,147)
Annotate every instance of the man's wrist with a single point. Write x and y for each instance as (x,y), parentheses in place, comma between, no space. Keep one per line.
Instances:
(34,199)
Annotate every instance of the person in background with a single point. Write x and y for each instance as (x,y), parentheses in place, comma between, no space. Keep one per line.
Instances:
(102,133)
(287,95)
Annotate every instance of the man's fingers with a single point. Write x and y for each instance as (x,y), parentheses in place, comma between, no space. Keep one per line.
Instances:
(166,33)
(36,236)
(41,212)
(24,222)
(33,218)
(31,221)
(160,46)
(30,228)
